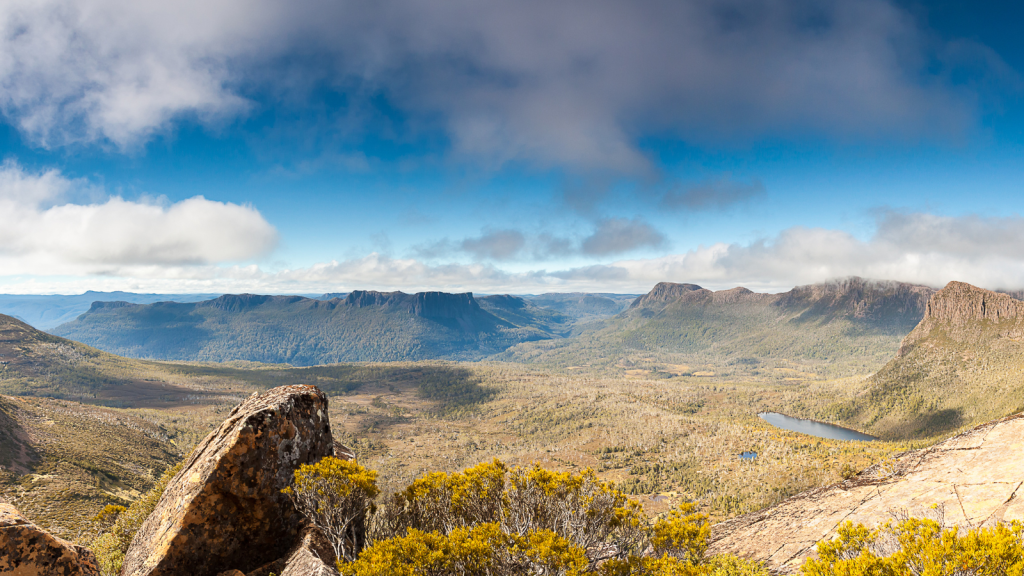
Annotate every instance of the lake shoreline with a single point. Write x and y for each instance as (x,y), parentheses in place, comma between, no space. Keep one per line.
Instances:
(856,435)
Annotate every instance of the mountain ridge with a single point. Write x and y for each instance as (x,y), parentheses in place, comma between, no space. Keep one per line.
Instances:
(854,322)
(959,366)
(363,326)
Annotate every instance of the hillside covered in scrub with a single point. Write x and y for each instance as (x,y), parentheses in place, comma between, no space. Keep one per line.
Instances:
(270,491)
(842,327)
(363,326)
(837,328)
(960,366)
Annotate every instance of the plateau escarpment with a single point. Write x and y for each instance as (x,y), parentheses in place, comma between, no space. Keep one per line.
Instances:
(363,326)
(842,327)
(960,365)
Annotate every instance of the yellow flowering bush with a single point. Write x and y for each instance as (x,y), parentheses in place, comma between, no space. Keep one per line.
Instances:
(682,534)
(335,495)
(481,550)
(920,547)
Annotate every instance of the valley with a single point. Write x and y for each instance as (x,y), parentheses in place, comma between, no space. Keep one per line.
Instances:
(674,420)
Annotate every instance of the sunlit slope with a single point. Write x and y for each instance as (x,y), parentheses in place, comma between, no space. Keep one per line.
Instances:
(840,327)
(962,365)
(364,326)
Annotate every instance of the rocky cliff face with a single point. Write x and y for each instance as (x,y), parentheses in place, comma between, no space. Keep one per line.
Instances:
(963,311)
(664,293)
(242,302)
(879,301)
(27,550)
(224,510)
(958,367)
(974,479)
(849,297)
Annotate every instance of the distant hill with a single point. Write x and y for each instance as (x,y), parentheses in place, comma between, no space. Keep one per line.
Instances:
(840,327)
(363,326)
(582,305)
(49,311)
(961,365)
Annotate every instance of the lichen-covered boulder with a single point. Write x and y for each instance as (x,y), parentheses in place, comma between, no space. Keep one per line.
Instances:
(27,550)
(312,556)
(225,510)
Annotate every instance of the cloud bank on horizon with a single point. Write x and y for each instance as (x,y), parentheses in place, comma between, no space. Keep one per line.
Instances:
(577,88)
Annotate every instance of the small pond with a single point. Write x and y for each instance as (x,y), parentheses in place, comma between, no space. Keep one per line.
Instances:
(748,455)
(819,429)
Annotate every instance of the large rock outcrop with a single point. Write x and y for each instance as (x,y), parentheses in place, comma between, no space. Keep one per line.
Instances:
(960,366)
(974,479)
(27,550)
(312,556)
(966,313)
(225,510)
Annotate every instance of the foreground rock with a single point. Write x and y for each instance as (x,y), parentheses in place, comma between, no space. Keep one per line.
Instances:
(27,550)
(312,556)
(224,511)
(975,479)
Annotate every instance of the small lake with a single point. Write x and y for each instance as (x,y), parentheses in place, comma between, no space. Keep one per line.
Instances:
(819,429)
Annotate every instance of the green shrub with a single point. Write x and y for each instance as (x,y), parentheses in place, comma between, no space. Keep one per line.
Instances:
(111,546)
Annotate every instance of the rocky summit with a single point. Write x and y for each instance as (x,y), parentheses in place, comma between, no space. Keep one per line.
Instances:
(971,480)
(224,511)
(26,550)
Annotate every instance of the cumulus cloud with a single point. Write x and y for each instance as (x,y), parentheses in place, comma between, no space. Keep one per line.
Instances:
(618,235)
(900,250)
(43,233)
(571,84)
(495,245)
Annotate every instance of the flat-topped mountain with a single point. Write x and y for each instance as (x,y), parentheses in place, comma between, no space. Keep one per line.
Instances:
(362,326)
(844,326)
(959,366)
(51,310)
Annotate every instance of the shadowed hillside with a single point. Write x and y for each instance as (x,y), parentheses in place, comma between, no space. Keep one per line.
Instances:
(840,327)
(363,326)
(960,366)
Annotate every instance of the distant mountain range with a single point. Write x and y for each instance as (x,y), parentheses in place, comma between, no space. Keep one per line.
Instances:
(961,365)
(362,326)
(49,311)
(850,326)
(854,324)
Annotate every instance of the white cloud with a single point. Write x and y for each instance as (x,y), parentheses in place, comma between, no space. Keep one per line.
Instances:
(902,249)
(41,232)
(574,83)
(618,235)
(118,70)
(495,244)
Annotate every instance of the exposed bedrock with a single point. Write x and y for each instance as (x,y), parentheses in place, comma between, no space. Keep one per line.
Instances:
(225,511)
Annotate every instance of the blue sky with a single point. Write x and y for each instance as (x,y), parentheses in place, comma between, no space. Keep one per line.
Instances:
(530,146)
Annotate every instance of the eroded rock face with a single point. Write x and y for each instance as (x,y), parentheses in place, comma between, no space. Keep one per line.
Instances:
(312,556)
(974,479)
(224,510)
(27,550)
(964,312)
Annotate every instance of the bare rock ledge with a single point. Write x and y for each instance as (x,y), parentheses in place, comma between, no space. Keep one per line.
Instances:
(975,479)
(27,550)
